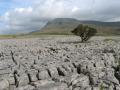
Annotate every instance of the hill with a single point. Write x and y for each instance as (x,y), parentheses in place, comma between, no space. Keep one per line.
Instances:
(66,25)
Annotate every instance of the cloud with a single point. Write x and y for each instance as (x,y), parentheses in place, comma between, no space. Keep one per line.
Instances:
(23,10)
(36,13)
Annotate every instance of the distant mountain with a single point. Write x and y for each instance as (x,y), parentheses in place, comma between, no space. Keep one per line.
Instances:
(66,25)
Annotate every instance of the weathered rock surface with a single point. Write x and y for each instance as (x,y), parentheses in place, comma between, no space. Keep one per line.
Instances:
(59,64)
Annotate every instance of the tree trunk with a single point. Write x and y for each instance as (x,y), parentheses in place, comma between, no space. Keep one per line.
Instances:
(83,41)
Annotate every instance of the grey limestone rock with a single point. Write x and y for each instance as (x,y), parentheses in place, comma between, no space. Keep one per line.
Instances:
(59,63)
(4,84)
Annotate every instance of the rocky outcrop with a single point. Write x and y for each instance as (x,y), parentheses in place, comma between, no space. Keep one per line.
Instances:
(59,64)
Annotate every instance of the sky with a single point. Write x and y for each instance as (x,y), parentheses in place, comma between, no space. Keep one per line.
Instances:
(22,16)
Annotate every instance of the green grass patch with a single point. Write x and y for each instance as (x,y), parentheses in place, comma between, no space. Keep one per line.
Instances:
(52,33)
(109,39)
(102,87)
(7,36)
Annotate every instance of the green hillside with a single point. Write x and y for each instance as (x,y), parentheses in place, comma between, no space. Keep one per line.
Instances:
(66,25)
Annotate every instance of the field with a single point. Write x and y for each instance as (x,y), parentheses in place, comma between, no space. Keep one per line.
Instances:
(59,63)
(7,36)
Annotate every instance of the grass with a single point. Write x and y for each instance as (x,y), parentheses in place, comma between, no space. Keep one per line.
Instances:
(43,35)
(7,36)
(108,39)
(40,35)
(52,33)
(101,87)
(69,33)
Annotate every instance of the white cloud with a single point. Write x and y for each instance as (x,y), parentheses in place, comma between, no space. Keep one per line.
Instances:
(75,9)
(32,18)
(24,10)
(23,19)
(6,16)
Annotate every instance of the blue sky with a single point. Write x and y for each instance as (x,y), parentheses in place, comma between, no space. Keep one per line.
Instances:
(6,5)
(20,16)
